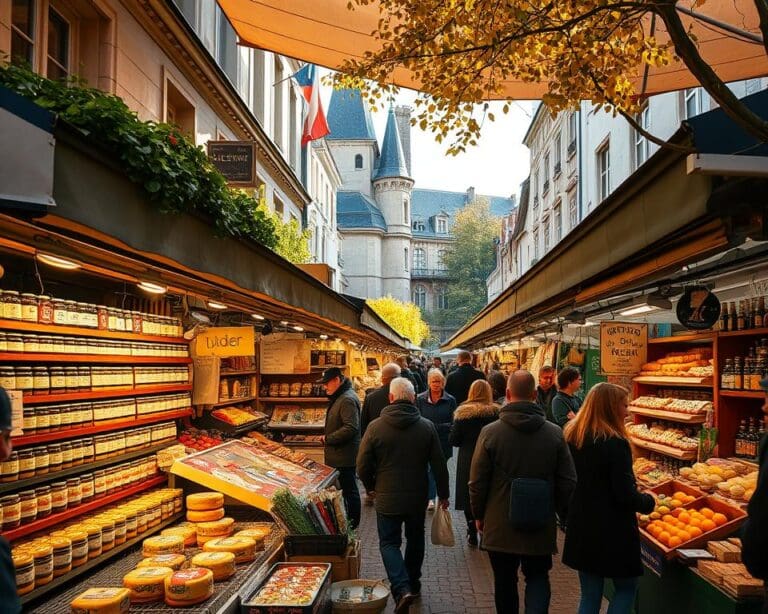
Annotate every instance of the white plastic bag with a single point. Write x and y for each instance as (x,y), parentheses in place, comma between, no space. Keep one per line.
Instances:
(442,528)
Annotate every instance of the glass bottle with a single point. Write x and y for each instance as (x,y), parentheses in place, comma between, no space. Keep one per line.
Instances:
(740,317)
(739,442)
(738,374)
(724,318)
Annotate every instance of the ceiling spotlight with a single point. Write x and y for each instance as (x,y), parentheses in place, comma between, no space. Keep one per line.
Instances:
(646,304)
(152,288)
(352,343)
(217,306)
(298,328)
(256,316)
(323,337)
(283,322)
(58,261)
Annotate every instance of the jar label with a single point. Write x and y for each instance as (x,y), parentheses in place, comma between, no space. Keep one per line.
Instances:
(25,576)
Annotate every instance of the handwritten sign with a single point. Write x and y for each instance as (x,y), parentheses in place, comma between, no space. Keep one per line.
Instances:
(236,160)
(226,341)
(623,347)
(284,354)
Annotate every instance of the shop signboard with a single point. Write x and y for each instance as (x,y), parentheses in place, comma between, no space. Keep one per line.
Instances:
(226,341)
(698,308)
(236,160)
(623,347)
(284,354)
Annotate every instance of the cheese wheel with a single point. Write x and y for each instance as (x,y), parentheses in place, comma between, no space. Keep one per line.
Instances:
(174,561)
(256,535)
(188,533)
(102,601)
(163,544)
(222,564)
(188,586)
(244,548)
(147,583)
(202,501)
(216,528)
(205,516)
(204,539)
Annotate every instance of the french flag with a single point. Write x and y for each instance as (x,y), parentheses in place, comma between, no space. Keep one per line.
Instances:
(315,125)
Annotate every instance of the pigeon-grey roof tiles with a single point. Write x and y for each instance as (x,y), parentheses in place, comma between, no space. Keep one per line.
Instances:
(349,117)
(356,210)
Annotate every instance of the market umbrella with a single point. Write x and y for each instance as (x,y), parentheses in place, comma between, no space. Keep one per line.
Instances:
(326,32)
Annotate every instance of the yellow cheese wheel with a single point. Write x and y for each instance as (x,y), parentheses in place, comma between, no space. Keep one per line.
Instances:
(187,532)
(204,539)
(188,586)
(244,548)
(256,535)
(102,601)
(216,528)
(202,501)
(147,583)
(163,544)
(222,564)
(205,516)
(174,561)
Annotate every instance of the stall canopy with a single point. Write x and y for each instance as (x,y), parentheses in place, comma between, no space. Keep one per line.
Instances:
(676,209)
(327,33)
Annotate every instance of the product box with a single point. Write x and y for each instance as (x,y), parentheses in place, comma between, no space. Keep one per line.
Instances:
(343,567)
(313,595)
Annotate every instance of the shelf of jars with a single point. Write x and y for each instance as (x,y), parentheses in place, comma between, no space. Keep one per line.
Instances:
(41,399)
(92,359)
(51,329)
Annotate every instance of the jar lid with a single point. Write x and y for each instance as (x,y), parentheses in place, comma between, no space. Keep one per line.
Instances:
(28,294)
(42,550)
(22,559)
(12,292)
(43,490)
(27,494)
(44,297)
(9,499)
(58,485)
(76,534)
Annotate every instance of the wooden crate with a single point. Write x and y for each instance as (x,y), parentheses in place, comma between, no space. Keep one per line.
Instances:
(670,487)
(344,567)
(725,551)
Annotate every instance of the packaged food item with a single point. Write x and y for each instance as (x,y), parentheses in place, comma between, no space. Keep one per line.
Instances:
(24,565)
(222,564)
(102,601)
(188,587)
(147,583)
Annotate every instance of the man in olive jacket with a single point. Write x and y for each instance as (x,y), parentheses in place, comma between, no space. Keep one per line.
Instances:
(520,444)
(396,451)
(342,436)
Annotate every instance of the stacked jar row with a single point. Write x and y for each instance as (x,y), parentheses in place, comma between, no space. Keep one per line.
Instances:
(25,507)
(42,309)
(40,560)
(62,344)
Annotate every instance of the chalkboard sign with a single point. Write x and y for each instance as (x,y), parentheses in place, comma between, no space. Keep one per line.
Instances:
(236,160)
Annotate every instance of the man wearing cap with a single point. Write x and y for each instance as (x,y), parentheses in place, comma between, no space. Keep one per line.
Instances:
(8,596)
(342,436)
(754,539)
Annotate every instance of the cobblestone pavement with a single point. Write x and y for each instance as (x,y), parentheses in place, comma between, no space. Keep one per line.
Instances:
(459,580)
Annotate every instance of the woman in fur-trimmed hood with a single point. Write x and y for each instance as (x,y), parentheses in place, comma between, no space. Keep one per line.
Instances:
(468,420)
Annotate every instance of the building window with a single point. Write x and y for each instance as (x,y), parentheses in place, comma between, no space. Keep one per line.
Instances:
(405,258)
(572,129)
(603,172)
(58,46)
(536,243)
(557,216)
(691,102)
(573,211)
(23,32)
(406,216)
(547,233)
(279,206)
(441,299)
(259,89)
(277,111)
(419,226)
(442,225)
(558,154)
(641,143)
(420,297)
(545,187)
(179,111)
(442,256)
(419,258)
(359,161)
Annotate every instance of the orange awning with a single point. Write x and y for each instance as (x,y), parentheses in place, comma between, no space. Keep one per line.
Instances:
(326,33)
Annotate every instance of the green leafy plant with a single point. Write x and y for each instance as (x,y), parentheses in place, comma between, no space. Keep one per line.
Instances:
(174,172)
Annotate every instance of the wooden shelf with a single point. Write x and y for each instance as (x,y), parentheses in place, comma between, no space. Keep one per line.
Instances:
(324,367)
(54,519)
(93,359)
(233,402)
(674,416)
(689,338)
(51,329)
(41,399)
(295,427)
(665,450)
(101,427)
(743,394)
(233,373)
(683,382)
(294,399)
(84,468)
(745,333)
(79,571)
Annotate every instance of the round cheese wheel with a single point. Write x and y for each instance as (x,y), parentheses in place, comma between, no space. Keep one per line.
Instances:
(163,544)
(109,600)
(174,561)
(216,528)
(188,586)
(147,583)
(244,548)
(222,564)
(256,535)
(187,532)
(205,516)
(202,501)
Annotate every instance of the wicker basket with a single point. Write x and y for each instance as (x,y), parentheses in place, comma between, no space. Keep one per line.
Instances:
(354,589)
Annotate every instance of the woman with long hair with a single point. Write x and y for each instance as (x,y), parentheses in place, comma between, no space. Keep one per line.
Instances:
(468,420)
(602,539)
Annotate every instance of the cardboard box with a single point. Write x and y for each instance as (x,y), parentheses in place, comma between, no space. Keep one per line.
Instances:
(344,567)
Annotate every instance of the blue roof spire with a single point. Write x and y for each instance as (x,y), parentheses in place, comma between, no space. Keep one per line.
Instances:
(392,160)
(348,117)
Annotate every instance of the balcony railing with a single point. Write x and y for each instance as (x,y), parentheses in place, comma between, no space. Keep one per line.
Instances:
(428,273)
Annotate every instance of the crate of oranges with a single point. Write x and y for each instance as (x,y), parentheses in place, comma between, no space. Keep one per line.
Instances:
(688,525)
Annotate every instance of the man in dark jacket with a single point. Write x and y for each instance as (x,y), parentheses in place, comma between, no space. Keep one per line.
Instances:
(406,372)
(461,379)
(394,456)
(546,390)
(755,536)
(8,596)
(521,444)
(376,400)
(566,404)
(342,436)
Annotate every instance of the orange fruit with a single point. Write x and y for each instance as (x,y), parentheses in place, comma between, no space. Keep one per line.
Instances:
(674,542)
(675,502)
(664,537)
(668,518)
(695,522)
(689,499)
(719,519)
(707,525)
(684,535)
(679,495)
(695,532)
(706,512)
(684,517)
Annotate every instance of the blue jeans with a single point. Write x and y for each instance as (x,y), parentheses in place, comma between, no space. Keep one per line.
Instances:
(537,589)
(404,573)
(625,590)
(351,494)
(432,488)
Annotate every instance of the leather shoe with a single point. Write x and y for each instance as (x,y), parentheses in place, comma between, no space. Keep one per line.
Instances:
(472,538)
(404,603)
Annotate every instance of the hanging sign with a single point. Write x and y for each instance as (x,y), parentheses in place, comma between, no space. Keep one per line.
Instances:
(226,341)
(623,347)
(698,308)
(236,160)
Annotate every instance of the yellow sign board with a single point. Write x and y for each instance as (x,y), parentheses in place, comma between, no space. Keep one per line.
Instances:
(226,341)
(623,347)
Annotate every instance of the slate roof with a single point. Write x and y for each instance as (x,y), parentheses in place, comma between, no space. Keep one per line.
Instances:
(392,159)
(349,118)
(425,204)
(356,210)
